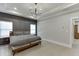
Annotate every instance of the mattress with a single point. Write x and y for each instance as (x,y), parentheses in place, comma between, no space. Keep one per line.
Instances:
(23,39)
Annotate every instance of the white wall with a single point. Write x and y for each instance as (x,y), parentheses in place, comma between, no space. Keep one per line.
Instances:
(58,29)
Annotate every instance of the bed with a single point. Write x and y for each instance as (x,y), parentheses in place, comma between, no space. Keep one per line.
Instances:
(19,43)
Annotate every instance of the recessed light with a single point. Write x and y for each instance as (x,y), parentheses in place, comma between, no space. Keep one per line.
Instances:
(15,8)
(30,7)
(40,9)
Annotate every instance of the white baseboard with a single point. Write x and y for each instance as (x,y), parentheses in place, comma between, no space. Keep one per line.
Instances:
(58,43)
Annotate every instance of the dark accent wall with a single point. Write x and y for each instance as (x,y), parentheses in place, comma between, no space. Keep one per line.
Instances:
(19,22)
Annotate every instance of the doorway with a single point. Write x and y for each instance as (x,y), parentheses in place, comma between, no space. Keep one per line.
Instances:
(76,29)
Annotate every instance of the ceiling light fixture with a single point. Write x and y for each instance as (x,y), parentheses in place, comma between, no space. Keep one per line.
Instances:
(36,10)
(15,8)
(40,9)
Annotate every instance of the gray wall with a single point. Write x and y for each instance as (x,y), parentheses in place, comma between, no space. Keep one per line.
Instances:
(59,29)
(19,23)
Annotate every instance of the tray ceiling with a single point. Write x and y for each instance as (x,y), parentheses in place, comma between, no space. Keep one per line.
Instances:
(28,9)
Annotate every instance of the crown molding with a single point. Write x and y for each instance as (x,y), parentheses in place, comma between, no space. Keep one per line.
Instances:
(68,10)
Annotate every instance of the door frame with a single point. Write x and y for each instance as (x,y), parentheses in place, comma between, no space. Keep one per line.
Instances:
(72,29)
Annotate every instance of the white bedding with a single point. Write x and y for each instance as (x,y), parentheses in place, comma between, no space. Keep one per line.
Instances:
(20,39)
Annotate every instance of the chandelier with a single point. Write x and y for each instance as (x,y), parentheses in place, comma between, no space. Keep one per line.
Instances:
(35,10)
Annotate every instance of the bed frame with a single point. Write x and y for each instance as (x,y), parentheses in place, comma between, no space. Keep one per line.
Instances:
(24,47)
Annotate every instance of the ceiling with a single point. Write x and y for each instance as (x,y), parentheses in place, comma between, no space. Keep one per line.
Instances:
(28,9)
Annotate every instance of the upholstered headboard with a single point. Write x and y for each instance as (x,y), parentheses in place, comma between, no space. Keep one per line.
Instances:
(13,33)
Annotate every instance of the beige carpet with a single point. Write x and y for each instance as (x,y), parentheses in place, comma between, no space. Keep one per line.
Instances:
(50,49)
(5,50)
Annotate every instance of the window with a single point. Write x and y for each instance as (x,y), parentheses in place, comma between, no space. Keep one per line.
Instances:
(5,28)
(32,29)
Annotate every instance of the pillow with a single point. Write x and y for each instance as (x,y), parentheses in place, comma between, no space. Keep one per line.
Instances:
(26,32)
(18,33)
